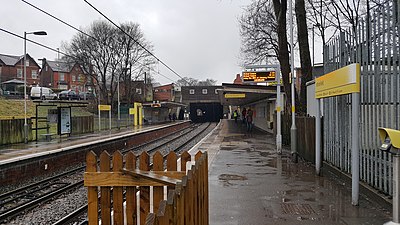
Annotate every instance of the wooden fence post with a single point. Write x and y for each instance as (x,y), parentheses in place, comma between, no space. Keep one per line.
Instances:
(199,186)
(93,202)
(172,165)
(118,198)
(190,199)
(180,210)
(185,157)
(105,200)
(158,192)
(195,195)
(144,164)
(131,200)
(171,210)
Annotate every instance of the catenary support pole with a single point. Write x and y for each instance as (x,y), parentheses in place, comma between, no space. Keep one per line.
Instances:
(318,139)
(293,129)
(25,97)
(355,169)
(278,112)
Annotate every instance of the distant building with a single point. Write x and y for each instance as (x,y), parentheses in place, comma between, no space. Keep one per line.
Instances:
(64,75)
(164,93)
(317,71)
(238,79)
(200,94)
(139,92)
(12,68)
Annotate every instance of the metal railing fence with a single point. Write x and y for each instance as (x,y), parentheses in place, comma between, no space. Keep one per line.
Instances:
(375,45)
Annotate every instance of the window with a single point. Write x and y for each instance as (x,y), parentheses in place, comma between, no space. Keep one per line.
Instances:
(204,91)
(62,78)
(19,73)
(139,91)
(34,74)
(191,91)
(73,78)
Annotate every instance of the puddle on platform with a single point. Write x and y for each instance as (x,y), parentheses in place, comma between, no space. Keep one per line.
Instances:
(231,177)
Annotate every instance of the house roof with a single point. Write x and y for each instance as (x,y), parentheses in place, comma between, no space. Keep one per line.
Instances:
(14,81)
(60,66)
(9,60)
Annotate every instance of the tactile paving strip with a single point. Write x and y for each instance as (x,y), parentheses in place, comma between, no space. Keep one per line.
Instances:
(297,209)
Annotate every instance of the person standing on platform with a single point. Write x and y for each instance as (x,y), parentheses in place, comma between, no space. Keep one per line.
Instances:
(249,120)
(244,116)
(235,115)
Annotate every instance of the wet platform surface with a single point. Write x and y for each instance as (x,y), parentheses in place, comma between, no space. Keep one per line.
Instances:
(21,151)
(251,184)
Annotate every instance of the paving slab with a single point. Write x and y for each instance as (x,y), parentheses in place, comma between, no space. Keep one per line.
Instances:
(251,184)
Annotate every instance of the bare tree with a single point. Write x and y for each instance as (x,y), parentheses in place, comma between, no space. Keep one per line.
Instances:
(258,30)
(263,29)
(207,82)
(305,59)
(188,81)
(110,56)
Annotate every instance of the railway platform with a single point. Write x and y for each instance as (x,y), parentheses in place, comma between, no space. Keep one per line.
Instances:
(15,152)
(249,183)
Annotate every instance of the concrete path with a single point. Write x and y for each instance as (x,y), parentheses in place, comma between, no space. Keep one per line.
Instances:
(250,184)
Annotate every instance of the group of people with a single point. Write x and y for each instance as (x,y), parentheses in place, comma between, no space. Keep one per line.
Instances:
(247,118)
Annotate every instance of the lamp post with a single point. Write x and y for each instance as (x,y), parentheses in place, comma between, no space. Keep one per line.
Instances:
(25,97)
(293,129)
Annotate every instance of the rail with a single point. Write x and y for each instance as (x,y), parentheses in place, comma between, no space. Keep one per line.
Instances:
(187,191)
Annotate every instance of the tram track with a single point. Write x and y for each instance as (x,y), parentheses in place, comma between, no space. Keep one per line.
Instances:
(7,213)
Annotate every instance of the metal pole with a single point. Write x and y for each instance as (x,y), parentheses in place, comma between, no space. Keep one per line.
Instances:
(293,129)
(396,188)
(396,191)
(119,115)
(109,118)
(355,169)
(318,139)
(99,120)
(313,48)
(25,119)
(278,112)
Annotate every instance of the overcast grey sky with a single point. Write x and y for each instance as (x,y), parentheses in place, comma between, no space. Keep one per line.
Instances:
(198,39)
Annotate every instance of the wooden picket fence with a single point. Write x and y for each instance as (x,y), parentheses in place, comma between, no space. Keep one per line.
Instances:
(186,202)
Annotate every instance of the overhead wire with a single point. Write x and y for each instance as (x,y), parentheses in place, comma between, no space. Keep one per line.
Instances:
(34,42)
(112,22)
(66,54)
(82,32)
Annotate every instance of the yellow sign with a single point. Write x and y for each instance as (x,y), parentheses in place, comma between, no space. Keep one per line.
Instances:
(343,81)
(239,95)
(274,83)
(131,111)
(104,107)
(259,76)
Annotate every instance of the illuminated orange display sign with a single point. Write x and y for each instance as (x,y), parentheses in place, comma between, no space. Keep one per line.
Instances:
(259,76)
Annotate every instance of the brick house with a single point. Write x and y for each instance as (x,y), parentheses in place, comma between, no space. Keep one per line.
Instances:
(12,68)
(200,94)
(64,75)
(164,93)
